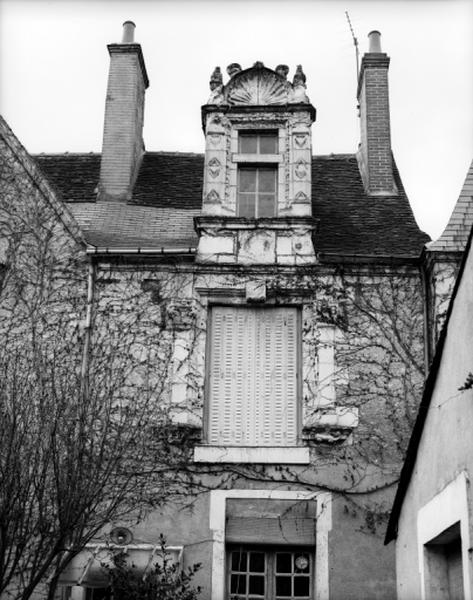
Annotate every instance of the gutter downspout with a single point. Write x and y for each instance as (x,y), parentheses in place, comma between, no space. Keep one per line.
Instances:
(427,306)
(87,328)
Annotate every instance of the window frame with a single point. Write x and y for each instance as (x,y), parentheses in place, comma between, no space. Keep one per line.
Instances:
(258,161)
(258,133)
(208,367)
(258,194)
(270,571)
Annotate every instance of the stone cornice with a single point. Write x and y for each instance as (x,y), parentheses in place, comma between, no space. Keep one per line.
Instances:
(378,60)
(229,110)
(279,223)
(131,49)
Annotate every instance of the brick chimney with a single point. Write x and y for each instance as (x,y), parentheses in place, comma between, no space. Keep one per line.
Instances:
(123,145)
(374,155)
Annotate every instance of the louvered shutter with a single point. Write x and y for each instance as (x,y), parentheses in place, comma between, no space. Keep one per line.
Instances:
(253,377)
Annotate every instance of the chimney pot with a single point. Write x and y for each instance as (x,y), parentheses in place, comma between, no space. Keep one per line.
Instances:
(128,32)
(375,41)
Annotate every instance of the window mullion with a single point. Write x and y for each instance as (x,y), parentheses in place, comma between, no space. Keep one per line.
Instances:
(257,193)
(271,579)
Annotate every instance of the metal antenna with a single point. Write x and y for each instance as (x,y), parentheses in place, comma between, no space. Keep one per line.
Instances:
(355,43)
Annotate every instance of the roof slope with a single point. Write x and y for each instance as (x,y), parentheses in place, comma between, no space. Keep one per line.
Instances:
(458,227)
(168,195)
(16,153)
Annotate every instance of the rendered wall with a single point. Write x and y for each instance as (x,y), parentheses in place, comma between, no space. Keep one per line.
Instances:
(445,449)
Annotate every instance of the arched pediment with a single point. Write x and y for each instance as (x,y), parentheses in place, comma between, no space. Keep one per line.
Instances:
(257,85)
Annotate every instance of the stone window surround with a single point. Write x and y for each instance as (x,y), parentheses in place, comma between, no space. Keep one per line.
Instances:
(279,160)
(323,524)
(344,419)
(243,454)
(446,508)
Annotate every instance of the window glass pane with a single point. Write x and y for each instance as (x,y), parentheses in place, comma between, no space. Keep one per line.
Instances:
(283,586)
(238,584)
(268,143)
(301,586)
(257,562)
(266,205)
(247,180)
(266,180)
(239,561)
(248,143)
(246,205)
(256,584)
(283,562)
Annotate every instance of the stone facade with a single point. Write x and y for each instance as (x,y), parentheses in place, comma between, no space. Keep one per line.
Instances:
(320,297)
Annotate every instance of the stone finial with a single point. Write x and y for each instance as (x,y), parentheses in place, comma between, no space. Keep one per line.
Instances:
(216,87)
(282,71)
(216,79)
(233,69)
(299,77)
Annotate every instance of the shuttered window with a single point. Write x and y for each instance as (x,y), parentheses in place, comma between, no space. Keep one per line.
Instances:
(252,391)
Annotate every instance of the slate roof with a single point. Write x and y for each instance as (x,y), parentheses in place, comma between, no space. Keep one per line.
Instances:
(168,195)
(458,227)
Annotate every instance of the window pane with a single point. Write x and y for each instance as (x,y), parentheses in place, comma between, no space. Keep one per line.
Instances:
(283,586)
(248,143)
(238,584)
(266,205)
(266,180)
(256,584)
(268,144)
(257,562)
(283,562)
(301,586)
(246,205)
(239,561)
(247,180)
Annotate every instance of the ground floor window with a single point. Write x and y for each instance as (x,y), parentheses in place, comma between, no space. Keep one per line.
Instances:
(269,573)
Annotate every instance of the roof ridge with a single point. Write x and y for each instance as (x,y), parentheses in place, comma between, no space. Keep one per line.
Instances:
(173,152)
(66,153)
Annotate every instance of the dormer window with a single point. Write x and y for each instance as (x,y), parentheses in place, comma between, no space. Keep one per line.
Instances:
(257,192)
(257,174)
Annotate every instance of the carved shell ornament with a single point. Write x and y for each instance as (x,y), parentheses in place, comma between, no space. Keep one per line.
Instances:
(258,86)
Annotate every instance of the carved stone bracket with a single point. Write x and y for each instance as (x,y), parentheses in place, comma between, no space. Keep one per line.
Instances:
(330,425)
(180,315)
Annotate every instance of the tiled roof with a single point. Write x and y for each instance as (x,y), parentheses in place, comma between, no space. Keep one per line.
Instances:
(351,222)
(458,227)
(168,195)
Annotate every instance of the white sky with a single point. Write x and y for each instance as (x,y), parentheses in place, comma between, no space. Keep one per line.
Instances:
(54,66)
